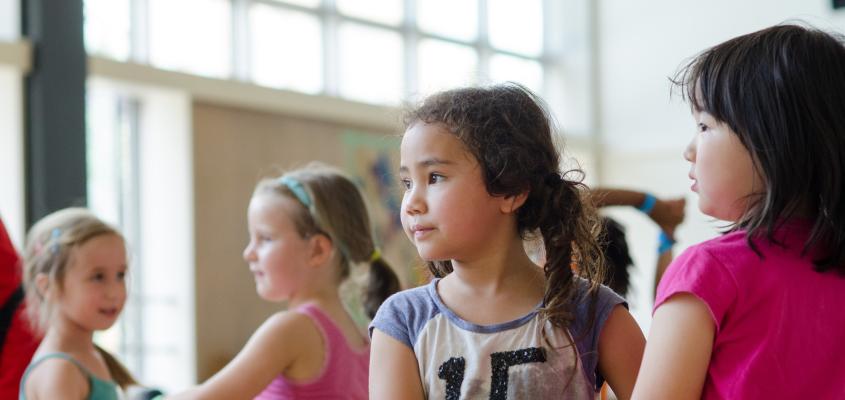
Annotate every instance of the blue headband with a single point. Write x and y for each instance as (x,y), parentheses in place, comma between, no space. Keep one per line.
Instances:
(297,189)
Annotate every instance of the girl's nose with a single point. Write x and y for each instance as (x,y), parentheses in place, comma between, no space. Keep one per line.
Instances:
(689,152)
(414,203)
(248,253)
(117,289)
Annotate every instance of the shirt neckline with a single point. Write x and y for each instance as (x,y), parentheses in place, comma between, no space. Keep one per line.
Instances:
(472,327)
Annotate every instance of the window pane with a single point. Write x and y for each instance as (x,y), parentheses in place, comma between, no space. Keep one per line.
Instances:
(456,19)
(304,3)
(508,68)
(516,26)
(182,40)
(10,17)
(286,48)
(385,11)
(107,28)
(370,64)
(444,65)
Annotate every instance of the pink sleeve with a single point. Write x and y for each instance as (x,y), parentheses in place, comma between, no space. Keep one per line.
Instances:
(699,273)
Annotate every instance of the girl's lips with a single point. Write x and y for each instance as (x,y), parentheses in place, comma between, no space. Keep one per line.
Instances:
(110,312)
(420,231)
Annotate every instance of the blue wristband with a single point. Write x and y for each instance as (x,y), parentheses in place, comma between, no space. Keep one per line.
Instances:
(648,203)
(666,243)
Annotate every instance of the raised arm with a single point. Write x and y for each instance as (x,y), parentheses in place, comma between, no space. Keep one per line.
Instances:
(394,373)
(666,213)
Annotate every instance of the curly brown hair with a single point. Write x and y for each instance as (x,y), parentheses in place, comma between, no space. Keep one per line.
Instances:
(507,129)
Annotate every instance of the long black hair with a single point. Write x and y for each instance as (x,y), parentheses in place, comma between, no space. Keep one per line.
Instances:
(782,90)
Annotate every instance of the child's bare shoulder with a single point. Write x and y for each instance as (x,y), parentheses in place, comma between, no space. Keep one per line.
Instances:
(290,329)
(56,377)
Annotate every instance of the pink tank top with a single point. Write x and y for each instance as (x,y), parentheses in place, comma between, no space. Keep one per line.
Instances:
(345,373)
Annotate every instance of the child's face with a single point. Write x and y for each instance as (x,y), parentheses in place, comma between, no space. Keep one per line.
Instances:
(94,287)
(722,170)
(276,253)
(446,210)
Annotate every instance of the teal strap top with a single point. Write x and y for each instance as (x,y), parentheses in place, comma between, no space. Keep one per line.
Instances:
(100,389)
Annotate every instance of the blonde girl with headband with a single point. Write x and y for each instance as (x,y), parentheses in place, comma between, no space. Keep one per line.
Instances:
(306,229)
(75,282)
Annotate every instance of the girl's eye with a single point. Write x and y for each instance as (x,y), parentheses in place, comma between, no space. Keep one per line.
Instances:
(406,183)
(121,275)
(435,178)
(98,277)
(702,128)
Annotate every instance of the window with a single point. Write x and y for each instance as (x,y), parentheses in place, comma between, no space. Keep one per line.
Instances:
(191,36)
(445,64)
(10,20)
(138,179)
(107,28)
(286,49)
(374,51)
(370,63)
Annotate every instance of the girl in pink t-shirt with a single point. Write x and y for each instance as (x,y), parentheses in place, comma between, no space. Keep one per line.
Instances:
(757,312)
(306,229)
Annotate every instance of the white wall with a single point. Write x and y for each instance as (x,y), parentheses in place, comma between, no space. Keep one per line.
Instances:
(11,154)
(642,130)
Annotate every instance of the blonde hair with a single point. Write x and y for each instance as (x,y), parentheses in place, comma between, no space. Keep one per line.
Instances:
(49,246)
(334,207)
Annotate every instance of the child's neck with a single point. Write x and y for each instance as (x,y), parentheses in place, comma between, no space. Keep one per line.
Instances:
(496,271)
(500,286)
(325,296)
(67,336)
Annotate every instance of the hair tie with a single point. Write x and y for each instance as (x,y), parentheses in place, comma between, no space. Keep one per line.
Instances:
(54,238)
(376,254)
(298,190)
(553,179)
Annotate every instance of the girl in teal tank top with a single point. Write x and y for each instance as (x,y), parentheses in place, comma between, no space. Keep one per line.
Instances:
(100,389)
(74,278)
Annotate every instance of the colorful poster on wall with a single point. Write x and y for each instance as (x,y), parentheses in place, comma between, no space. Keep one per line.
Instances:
(373,161)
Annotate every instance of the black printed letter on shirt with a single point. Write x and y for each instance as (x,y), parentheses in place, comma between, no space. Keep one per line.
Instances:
(502,361)
(452,371)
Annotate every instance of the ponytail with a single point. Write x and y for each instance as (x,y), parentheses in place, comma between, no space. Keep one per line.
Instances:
(381,283)
(118,372)
(570,228)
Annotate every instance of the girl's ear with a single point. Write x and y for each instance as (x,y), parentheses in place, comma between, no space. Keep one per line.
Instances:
(510,204)
(42,284)
(322,249)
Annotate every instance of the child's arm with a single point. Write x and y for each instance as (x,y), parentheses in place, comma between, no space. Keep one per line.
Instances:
(270,350)
(56,379)
(621,344)
(679,347)
(394,373)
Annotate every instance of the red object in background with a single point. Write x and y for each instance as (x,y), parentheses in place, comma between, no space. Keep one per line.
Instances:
(20,341)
